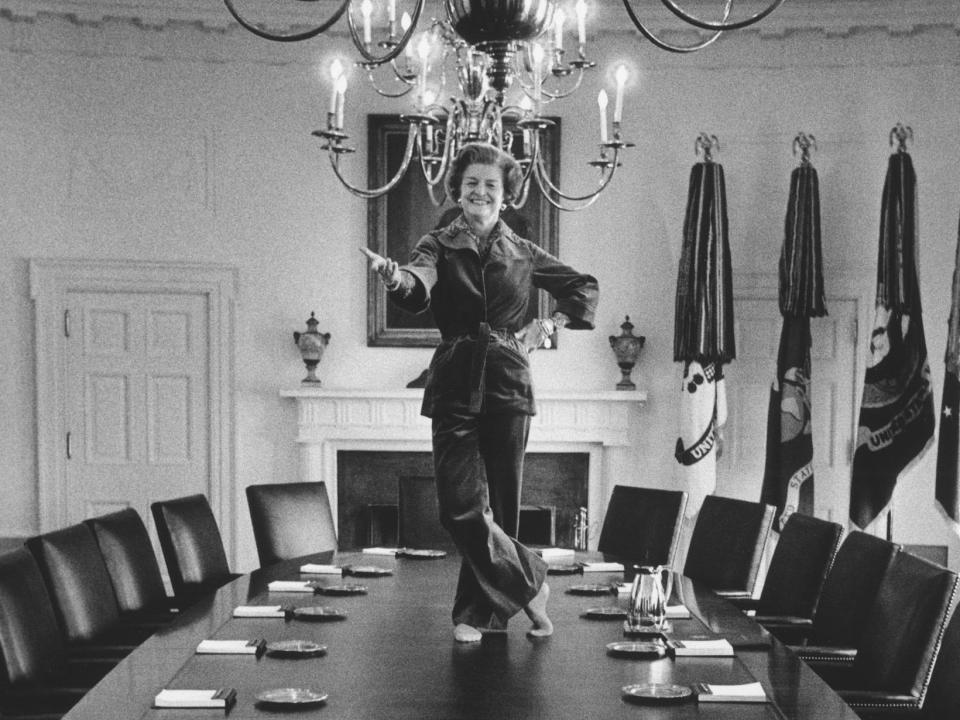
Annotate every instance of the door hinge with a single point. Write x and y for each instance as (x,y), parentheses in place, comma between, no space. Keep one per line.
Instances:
(66,323)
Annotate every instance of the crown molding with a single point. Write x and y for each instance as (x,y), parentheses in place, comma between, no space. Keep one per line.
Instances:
(832,17)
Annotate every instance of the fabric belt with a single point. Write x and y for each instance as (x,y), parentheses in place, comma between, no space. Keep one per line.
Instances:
(478,368)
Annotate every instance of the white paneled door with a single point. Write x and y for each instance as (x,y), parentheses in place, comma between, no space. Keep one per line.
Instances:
(833,398)
(137,399)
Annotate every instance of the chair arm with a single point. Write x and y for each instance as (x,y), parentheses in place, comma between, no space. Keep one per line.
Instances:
(878,703)
(825,654)
(787,629)
(733,594)
(742,602)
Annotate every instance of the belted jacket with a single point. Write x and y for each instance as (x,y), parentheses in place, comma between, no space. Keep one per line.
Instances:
(478,306)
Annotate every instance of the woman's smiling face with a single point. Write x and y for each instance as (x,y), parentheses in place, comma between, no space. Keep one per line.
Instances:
(481,194)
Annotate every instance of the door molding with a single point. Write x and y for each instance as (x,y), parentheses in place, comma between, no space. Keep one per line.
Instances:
(50,282)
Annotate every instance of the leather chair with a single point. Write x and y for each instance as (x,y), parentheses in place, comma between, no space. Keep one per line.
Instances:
(902,638)
(38,678)
(134,572)
(642,526)
(851,585)
(418,520)
(943,694)
(797,572)
(727,544)
(192,547)
(80,589)
(290,520)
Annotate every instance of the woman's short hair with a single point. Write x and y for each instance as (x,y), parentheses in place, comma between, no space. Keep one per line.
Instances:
(485,154)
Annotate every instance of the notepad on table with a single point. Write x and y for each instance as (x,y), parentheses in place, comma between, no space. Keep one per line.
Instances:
(380,551)
(259,611)
(602,566)
(718,647)
(747,692)
(315,569)
(301,586)
(230,647)
(677,612)
(222,698)
(555,553)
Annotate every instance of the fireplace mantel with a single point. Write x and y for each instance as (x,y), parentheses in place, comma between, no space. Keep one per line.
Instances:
(331,420)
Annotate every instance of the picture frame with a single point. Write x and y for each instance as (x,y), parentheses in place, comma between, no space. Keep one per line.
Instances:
(398,219)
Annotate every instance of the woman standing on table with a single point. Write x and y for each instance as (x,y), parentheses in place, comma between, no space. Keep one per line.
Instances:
(475,275)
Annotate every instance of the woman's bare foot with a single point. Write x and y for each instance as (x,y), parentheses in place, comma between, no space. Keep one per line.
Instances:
(466,634)
(536,610)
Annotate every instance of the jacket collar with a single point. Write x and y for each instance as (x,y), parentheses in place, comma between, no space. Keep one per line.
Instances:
(458,236)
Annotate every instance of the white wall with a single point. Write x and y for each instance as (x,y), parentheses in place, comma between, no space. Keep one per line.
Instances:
(182,142)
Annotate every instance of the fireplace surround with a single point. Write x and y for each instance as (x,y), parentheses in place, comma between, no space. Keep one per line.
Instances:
(333,420)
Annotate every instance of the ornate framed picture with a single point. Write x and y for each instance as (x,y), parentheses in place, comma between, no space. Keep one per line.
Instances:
(397,220)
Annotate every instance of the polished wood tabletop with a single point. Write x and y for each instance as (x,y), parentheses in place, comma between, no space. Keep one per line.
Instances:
(394,656)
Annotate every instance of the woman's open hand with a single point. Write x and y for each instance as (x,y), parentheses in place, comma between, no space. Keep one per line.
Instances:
(387,269)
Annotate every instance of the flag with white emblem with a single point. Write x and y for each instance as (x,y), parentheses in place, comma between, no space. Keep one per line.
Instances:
(788,471)
(896,413)
(703,337)
(948,477)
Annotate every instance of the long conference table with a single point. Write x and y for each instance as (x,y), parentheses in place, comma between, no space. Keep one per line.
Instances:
(394,656)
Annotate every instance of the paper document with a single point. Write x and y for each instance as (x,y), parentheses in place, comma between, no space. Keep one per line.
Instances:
(302,586)
(259,611)
(195,698)
(747,692)
(315,569)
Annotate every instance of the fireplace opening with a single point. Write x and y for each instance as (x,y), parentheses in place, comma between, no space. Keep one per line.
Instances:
(555,488)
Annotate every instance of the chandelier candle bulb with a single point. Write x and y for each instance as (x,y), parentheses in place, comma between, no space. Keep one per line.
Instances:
(621,76)
(423,50)
(391,11)
(537,68)
(366,9)
(559,19)
(581,23)
(341,99)
(336,70)
(602,104)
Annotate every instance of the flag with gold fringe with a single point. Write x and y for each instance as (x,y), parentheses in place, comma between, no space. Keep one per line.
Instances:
(896,412)
(703,326)
(947,491)
(788,471)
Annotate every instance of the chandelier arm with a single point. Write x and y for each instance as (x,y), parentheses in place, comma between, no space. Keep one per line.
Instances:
(561,94)
(543,180)
(394,51)
(663,44)
(723,24)
(591,199)
(370,193)
(437,202)
(292,37)
(387,93)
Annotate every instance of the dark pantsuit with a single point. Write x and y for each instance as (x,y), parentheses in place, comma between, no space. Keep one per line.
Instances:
(480,507)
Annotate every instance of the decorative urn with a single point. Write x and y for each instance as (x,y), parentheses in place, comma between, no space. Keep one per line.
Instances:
(626,346)
(312,345)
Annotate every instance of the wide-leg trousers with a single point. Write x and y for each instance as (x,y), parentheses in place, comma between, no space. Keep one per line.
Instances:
(478,464)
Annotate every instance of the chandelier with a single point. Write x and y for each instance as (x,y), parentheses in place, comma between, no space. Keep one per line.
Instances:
(458,71)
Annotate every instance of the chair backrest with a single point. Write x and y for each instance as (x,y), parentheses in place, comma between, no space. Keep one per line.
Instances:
(128,553)
(943,695)
(418,520)
(290,520)
(642,525)
(78,581)
(30,639)
(727,543)
(850,588)
(192,545)
(799,566)
(905,627)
